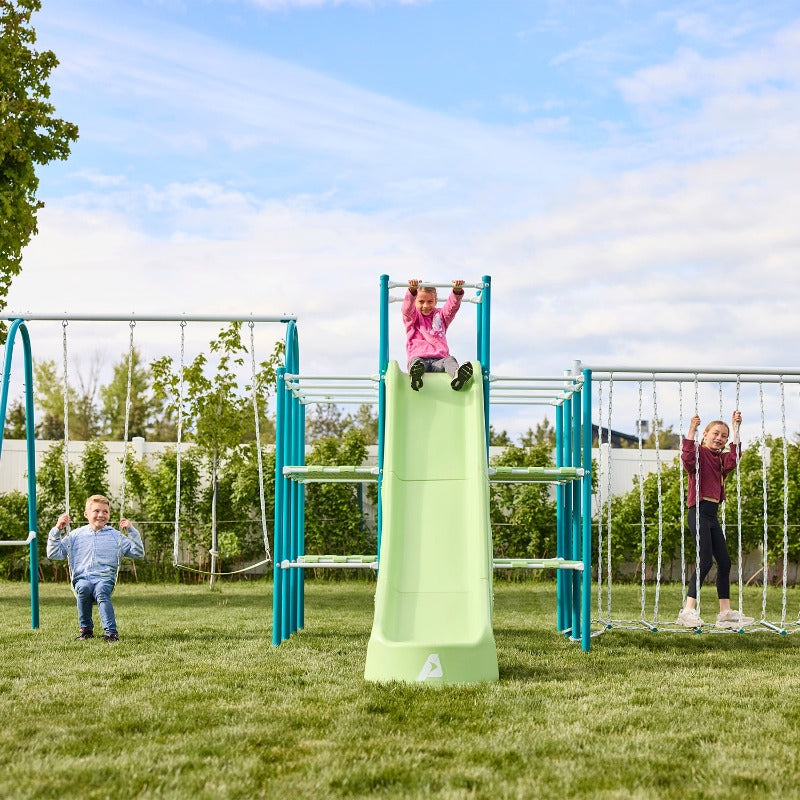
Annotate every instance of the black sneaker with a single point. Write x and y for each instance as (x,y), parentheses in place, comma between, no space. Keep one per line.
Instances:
(462,376)
(416,372)
(86,633)
(112,636)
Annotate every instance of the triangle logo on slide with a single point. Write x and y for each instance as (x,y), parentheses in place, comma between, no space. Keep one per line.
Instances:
(432,668)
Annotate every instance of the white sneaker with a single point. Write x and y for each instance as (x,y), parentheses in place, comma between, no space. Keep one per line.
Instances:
(689,618)
(733,619)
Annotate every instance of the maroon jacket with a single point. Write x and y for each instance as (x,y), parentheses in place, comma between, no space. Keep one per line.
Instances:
(714,468)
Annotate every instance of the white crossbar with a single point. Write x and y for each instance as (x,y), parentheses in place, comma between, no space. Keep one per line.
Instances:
(31,537)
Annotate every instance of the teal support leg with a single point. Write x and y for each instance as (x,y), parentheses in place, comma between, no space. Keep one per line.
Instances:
(586,505)
(561,616)
(18,326)
(567,518)
(575,486)
(278,551)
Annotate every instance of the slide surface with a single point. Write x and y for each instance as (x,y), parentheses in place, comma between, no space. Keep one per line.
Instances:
(433,602)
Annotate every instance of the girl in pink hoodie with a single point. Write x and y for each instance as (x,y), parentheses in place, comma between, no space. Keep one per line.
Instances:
(426,328)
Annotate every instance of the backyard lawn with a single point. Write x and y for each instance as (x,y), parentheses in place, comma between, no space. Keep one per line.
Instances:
(195,702)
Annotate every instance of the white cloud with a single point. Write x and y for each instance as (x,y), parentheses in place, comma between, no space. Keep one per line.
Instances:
(677,242)
(173,94)
(692,75)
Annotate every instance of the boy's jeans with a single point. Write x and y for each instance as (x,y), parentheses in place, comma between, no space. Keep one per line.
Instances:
(87,591)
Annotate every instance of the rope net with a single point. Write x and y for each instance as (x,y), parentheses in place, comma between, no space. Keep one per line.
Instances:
(640,508)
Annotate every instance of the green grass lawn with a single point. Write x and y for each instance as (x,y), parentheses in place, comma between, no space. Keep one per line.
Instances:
(195,702)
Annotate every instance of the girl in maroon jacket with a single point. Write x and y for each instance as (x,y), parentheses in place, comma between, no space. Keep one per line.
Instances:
(715,463)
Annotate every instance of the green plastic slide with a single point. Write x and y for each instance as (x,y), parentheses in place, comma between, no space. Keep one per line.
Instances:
(433,602)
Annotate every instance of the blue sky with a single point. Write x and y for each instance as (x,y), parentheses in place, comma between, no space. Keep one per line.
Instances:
(625,172)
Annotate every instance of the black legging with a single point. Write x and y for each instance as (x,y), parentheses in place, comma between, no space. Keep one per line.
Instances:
(712,543)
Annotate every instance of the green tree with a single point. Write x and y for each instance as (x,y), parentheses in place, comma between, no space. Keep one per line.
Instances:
(544,435)
(93,474)
(147,414)
(49,398)
(333,519)
(668,439)
(366,420)
(14,561)
(30,134)
(325,420)
(499,438)
(84,421)
(15,420)
(626,515)
(524,515)
(50,492)
(216,411)
(150,489)
(84,417)
(91,477)
(239,504)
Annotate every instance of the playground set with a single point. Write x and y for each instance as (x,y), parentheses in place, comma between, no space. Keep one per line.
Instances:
(434,561)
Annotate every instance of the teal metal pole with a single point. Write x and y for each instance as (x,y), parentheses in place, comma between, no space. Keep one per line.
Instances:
(567,520)
(301,518)
(30,444)
(278,550)
(288,522)
(485,348)
(561,616)
(297,529)
(18,325)
(293,527)
(575,407)
(383,363)
(586,484)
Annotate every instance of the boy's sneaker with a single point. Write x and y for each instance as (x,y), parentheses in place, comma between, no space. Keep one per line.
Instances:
(462,376)
(733,619)
(689,618)
(416,371)
(86,633)
(111,636)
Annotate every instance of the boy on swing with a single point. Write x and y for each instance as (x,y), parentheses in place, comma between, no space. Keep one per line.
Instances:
(94,553)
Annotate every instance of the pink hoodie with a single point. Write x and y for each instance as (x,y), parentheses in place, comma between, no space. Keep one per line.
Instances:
(425,336)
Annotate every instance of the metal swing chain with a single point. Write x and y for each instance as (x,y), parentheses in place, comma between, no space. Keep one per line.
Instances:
(738,453)
(64,325)
(765,542)
(175,558)
(600,514)
(258,442)
(641,502)
(724,504)
(608,495)
(132,325)
(680,480)
(660,501)
(68,528)
(785,504)
(697,495)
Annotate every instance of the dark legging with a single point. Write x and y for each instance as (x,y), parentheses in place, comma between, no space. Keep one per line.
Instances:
(712,544)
